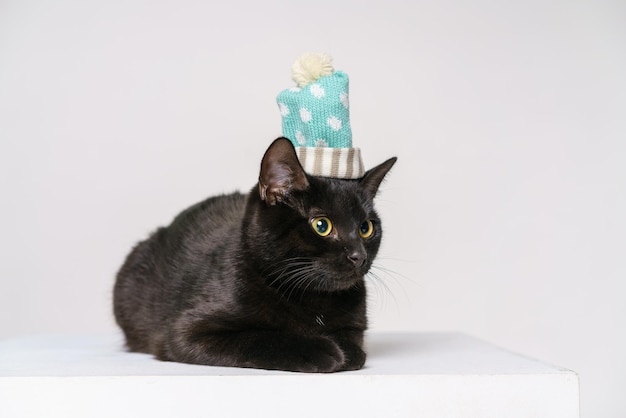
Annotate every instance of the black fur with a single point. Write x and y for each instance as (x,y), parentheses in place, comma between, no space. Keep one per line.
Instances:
(244,280)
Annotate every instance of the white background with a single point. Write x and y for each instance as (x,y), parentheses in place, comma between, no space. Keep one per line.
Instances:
(504,217)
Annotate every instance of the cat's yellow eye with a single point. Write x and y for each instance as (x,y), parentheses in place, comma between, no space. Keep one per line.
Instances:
(366,229)
(322,226)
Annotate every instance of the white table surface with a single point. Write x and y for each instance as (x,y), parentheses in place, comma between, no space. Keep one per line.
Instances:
(451,375)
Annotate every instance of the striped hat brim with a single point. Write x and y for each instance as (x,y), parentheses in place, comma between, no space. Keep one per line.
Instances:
(343,163)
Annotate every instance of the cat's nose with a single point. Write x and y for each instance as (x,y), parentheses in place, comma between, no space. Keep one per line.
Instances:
(357,258)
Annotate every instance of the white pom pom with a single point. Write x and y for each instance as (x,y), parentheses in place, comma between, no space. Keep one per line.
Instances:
(311,66)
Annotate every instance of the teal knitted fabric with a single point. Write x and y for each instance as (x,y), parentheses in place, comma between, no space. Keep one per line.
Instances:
(318,114)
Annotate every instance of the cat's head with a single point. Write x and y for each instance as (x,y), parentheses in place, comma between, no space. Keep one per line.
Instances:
(314,233)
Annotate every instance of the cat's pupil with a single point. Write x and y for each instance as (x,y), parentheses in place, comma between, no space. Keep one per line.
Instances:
(322,226)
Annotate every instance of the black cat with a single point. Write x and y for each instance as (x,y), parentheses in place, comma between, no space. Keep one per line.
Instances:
(273,279)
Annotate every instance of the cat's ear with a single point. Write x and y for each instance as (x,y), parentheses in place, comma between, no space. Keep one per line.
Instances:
(281,173)
(370,182)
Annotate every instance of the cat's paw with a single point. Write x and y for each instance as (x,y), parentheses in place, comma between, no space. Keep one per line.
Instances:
(319,356)
(355,359)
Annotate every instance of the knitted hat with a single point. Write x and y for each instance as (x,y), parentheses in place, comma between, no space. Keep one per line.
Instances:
(316,119)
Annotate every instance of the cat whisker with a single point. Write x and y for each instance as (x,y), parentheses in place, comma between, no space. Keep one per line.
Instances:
(379,276)
(315,277)
(380,287)
(286,267)
(293,274)
(392,273)
(285,275)
(282,264)
(297,284)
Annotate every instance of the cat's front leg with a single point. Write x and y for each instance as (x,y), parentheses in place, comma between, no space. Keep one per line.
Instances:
(260,349)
